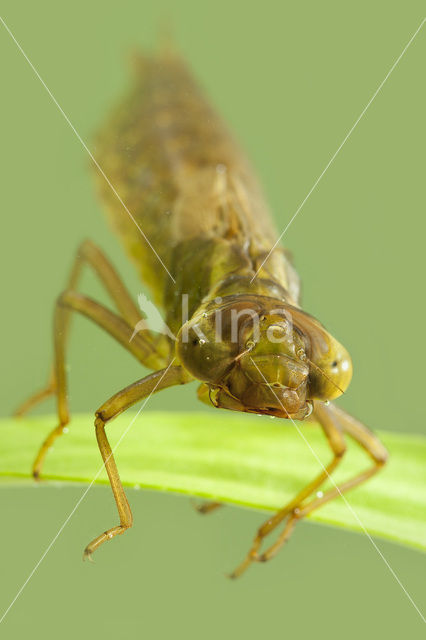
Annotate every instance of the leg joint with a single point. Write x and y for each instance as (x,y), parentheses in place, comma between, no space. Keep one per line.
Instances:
(99,421)
(340,451)
(86,247)
(382,458)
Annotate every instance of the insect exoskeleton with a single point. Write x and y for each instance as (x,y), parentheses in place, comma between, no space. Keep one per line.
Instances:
(256,354)
(210,252)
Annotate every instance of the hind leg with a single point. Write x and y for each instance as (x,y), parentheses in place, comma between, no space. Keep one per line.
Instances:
(208,506)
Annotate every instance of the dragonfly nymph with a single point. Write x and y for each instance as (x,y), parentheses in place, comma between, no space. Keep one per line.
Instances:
(197,228)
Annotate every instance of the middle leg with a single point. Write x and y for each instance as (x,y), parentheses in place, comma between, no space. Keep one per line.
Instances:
(156,348)
(71,301)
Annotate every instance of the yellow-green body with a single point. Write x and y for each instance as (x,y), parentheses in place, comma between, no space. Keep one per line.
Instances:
(196,224)
(189,187)
(197,227)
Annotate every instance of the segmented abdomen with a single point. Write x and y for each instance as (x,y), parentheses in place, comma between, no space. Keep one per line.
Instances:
(178,170)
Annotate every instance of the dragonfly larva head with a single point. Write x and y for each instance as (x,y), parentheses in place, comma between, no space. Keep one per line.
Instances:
(259,355)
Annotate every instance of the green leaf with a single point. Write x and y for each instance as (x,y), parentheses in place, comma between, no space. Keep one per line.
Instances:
(246,460)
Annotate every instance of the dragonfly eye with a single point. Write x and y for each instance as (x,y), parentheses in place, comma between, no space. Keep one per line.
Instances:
(202,355)
(330,375)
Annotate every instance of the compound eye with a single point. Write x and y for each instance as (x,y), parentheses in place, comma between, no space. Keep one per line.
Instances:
(341,365)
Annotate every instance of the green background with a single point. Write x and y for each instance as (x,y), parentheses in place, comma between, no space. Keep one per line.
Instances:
(291,78)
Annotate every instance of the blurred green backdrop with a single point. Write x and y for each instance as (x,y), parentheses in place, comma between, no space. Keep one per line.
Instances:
(291,78)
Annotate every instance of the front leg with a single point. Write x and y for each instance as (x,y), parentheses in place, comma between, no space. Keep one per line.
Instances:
(334,421)
(142,389)
(291,510)
(367,440)
(123,507)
